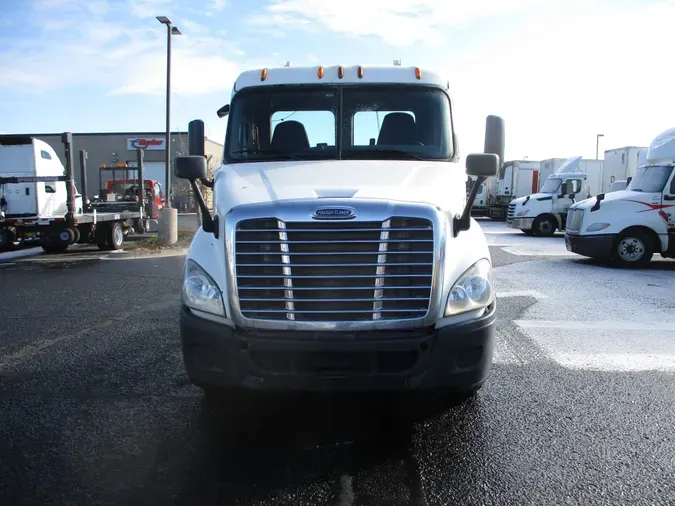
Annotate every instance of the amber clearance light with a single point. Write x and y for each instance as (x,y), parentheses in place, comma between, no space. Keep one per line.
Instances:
(263,74)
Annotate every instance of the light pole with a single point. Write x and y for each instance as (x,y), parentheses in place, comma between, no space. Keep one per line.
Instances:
(170,30)
(168,217)
(597,145)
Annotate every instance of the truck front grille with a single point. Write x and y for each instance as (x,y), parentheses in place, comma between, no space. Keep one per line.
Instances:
(511,211)
(334,271)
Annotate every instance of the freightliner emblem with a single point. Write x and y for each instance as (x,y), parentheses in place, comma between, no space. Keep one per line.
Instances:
(334,213)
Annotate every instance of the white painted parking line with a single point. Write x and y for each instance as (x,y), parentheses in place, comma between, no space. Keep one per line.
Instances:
(23,253)
(522,293)
(595,325)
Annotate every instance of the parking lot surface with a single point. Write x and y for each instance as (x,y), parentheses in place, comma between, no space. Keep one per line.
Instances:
(96,407)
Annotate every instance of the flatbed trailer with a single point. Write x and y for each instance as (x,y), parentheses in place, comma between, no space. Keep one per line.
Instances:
(106,229)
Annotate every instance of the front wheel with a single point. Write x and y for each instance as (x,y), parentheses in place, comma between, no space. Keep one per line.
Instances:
(544,226)
(633,248)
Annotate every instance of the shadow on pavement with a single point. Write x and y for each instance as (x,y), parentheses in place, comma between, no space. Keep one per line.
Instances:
(268,448)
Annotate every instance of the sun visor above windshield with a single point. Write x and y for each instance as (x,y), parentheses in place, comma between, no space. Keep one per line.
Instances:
(663,147)
(570,165)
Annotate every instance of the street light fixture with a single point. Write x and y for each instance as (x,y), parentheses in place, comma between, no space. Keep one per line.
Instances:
(170,30)
(597,145)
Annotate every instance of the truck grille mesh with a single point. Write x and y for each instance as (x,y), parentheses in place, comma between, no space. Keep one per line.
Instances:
(510,212)
(328,271)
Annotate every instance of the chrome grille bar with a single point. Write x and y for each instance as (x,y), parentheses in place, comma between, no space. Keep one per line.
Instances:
(381,266)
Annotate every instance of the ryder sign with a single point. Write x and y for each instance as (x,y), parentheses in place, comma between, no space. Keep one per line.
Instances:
(147,143)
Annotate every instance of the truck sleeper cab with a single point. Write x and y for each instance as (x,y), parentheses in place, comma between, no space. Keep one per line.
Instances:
(627,227)
(341,254)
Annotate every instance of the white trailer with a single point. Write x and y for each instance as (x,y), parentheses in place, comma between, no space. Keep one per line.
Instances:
(517,178)
(627,227)
(545,212)
(620,163)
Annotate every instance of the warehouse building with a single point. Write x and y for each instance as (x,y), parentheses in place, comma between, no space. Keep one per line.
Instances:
(120,148)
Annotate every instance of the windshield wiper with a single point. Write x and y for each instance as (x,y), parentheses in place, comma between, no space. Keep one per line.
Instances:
(401,153)
(637,189)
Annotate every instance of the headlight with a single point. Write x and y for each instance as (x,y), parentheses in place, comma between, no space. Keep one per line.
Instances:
(598,226)
(523,213)
(200,292)
(473,290)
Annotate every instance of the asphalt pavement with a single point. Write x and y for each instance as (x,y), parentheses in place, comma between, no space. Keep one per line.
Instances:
(96,407)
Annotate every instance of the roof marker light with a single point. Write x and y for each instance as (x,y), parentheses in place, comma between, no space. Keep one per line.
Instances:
(320,72)
(360,73)
(418,73)
(263,74)
(341,72)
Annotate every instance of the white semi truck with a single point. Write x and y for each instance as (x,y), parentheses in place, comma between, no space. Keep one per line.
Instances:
(545,212)
(341,254)
(517,178)
(628,227)
(621,163)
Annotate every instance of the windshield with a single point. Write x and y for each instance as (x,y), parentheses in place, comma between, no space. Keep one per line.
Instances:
(551,185)
(650,179)
(377,122)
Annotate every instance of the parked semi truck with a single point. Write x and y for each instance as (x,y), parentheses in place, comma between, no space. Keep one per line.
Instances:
(39,200)
(628,227)
(544,212)
(621,163)
(516,178)
(345,260)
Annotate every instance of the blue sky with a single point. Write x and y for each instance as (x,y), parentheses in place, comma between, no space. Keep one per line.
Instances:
(558,71)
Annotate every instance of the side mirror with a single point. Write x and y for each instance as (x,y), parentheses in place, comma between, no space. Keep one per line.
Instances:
(196,137)
(190,167)
(223,111)
(494,137)
(482,164)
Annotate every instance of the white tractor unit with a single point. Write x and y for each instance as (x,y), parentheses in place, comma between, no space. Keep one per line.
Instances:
(628,227)
(341,254)
(545,212)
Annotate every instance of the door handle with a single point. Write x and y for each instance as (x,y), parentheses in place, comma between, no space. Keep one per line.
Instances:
(669,197)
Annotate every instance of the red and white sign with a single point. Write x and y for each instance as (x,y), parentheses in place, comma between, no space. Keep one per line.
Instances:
(147,143)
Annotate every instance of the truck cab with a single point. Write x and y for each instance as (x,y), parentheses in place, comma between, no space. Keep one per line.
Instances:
(628,227)
(545,212)
(341,254)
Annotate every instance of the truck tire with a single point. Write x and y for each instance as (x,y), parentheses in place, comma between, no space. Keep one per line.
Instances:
(67,236)
(634,248)
(528,232)
(544,226)
(115,235)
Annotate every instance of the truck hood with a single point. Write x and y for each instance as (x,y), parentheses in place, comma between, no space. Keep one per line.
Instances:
(533,197)
(621,195)
(438,183)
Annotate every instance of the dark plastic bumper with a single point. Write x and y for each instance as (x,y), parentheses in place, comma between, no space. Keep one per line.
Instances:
(594,246)
(456,357)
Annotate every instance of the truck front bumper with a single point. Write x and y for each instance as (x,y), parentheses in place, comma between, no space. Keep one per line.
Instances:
(594,246)
(455,357)
(521,223)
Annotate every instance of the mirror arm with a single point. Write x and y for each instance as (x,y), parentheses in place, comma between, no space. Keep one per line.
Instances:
(209,224)
(463,222)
